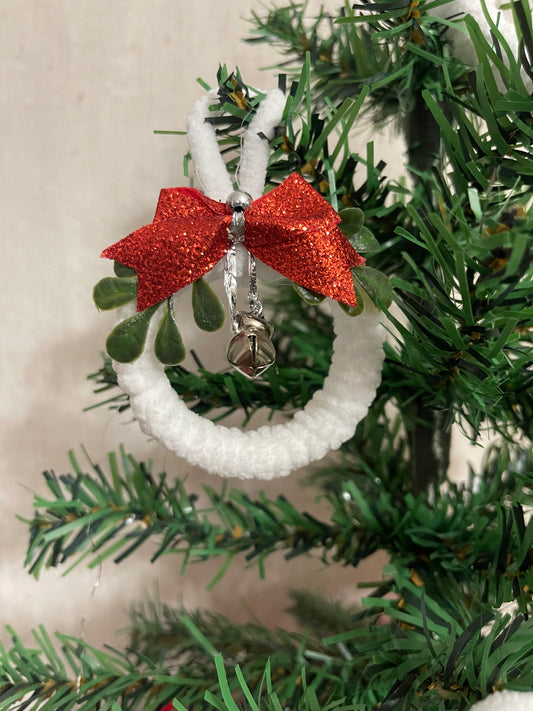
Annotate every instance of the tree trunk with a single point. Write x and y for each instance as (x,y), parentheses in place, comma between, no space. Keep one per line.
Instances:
(429,445)
(429,442)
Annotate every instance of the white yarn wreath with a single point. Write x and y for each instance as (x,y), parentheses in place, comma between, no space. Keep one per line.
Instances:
(328,419)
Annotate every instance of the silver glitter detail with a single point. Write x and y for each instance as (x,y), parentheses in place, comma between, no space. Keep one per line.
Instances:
(236,228)
(236,200)
(230,284)
(256,307)
(239,201)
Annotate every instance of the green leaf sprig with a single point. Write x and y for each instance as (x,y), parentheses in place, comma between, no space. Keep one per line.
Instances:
(126,341)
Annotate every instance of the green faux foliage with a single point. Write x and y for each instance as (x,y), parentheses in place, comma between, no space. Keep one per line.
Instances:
(310,297)
(448,250)
(208,311)
(112,292)
(168,344)
(126,341)
(122,271)
(374,284)
(352,222)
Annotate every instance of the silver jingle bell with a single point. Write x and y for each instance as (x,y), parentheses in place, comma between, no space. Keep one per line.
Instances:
(251,351)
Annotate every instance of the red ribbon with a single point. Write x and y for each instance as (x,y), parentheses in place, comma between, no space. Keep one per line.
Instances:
(293,229)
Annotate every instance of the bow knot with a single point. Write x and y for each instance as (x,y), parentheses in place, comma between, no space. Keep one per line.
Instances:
(292,229)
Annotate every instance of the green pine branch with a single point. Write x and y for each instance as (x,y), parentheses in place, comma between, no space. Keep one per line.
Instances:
(394,49)
(65,672)
(454,654)
(408,651)
(92,517)
(161,632)
(466,350)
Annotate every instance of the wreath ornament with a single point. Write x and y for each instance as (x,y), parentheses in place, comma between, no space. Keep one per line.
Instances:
(292,229)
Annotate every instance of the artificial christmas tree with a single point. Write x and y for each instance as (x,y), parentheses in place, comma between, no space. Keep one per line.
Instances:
(449,621)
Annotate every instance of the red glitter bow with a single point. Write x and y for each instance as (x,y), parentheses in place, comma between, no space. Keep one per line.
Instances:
(293,229)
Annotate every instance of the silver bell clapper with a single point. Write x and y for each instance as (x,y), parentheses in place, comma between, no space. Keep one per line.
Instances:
(251,350)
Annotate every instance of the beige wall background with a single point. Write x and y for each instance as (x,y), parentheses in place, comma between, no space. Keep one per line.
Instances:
(83,86)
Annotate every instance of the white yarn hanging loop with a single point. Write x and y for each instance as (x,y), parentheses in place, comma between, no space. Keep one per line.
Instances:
(210,168)
(328,419)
